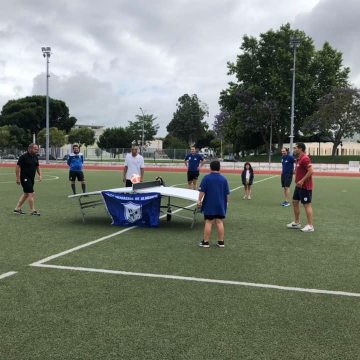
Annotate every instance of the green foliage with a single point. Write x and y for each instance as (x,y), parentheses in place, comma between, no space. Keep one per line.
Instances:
(172,142)
(187,123)
(57,137)
(262,93)
(82,136)
(113,139)
(337,116)
(29,113)
(13,136)
(146,122)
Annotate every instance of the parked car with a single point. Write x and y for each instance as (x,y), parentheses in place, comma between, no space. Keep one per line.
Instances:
(9,157)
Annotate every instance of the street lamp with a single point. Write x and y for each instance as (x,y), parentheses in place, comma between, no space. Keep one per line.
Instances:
(142,132)
(46,54)
(294,43)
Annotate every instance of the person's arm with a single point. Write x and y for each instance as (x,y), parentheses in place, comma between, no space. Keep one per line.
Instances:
(201,162)
(200,199)
(17,174)
(39,173)
(142,171)
(310,171)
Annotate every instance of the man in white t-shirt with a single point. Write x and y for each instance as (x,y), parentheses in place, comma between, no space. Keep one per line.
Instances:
(134,165)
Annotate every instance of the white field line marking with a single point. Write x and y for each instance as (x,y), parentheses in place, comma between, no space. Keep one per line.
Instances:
(37,263)
(45,260)
(53,177)
(5,275)
(203,280)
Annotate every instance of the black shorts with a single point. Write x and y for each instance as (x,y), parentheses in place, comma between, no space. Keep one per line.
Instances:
(192,175)
(286,180)
(212,217)
(73,175)
(302,195)
(27,185)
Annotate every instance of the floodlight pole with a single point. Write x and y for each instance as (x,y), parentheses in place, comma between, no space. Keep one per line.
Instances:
(142,132)
(46,54)
(294,43)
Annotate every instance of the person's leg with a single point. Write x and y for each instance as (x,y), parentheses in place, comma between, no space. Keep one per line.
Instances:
(73,187)
(296,206)
(309,213)
(249,192)
(286,194)
(220,229)
(31,199)
(207,230)
(21,201)
(83,186)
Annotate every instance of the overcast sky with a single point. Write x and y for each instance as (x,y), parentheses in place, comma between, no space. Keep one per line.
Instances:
(111,57)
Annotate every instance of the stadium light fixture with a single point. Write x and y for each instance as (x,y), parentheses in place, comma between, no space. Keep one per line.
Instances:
(46,54)
(294,43)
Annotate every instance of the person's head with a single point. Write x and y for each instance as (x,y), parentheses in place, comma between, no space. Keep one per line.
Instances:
(247,166)
(284,151)
(76,148)
(215,165)
(193,150)
(134,150)
(33,149)
(299,148)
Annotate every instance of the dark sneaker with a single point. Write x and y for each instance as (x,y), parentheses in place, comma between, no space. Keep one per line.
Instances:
(19,212)
(35,213)
(221,244)
(204,244)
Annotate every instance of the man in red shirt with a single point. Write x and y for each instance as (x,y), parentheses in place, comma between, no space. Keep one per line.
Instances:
(303,189)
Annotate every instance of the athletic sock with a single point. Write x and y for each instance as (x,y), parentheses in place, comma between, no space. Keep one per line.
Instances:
(83,186)
(73,188)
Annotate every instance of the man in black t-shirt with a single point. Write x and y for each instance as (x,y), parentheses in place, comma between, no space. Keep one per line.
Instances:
(26,169)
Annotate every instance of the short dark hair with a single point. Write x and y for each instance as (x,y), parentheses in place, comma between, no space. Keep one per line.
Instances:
(301,146)
(215,165)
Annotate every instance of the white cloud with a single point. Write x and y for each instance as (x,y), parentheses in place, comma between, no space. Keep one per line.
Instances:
(111,57)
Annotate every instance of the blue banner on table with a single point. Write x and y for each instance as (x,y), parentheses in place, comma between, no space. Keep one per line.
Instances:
(133,209)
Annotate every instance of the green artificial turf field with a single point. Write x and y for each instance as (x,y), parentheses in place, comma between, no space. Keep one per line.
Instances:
(272,293)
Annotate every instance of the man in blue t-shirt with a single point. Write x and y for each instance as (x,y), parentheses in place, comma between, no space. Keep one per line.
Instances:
(75,162)
(287,162)
(193,162)
(213,200)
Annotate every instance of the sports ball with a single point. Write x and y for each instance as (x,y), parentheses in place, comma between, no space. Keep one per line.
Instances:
(135,178)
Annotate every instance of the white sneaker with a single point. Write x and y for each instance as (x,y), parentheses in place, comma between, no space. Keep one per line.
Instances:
(308,228)
(249,197)
(293,225)
(244,197)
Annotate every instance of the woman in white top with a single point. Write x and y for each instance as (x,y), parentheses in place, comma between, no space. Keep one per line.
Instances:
(247,178)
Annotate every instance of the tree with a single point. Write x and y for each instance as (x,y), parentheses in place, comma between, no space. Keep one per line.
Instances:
(14,137)
(146,122)
(30,113)
(263,72)
(113,139)
(172,142)
(82,136)
(187,123)
(57,139)
(337,116)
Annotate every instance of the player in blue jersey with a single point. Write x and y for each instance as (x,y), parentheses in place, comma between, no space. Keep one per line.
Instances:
(213,200)
(75,162)
(193,162)
(287,162)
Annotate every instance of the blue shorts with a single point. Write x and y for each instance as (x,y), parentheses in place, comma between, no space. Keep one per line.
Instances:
(212,217)
(286,180)
(192,175)
(302,195)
